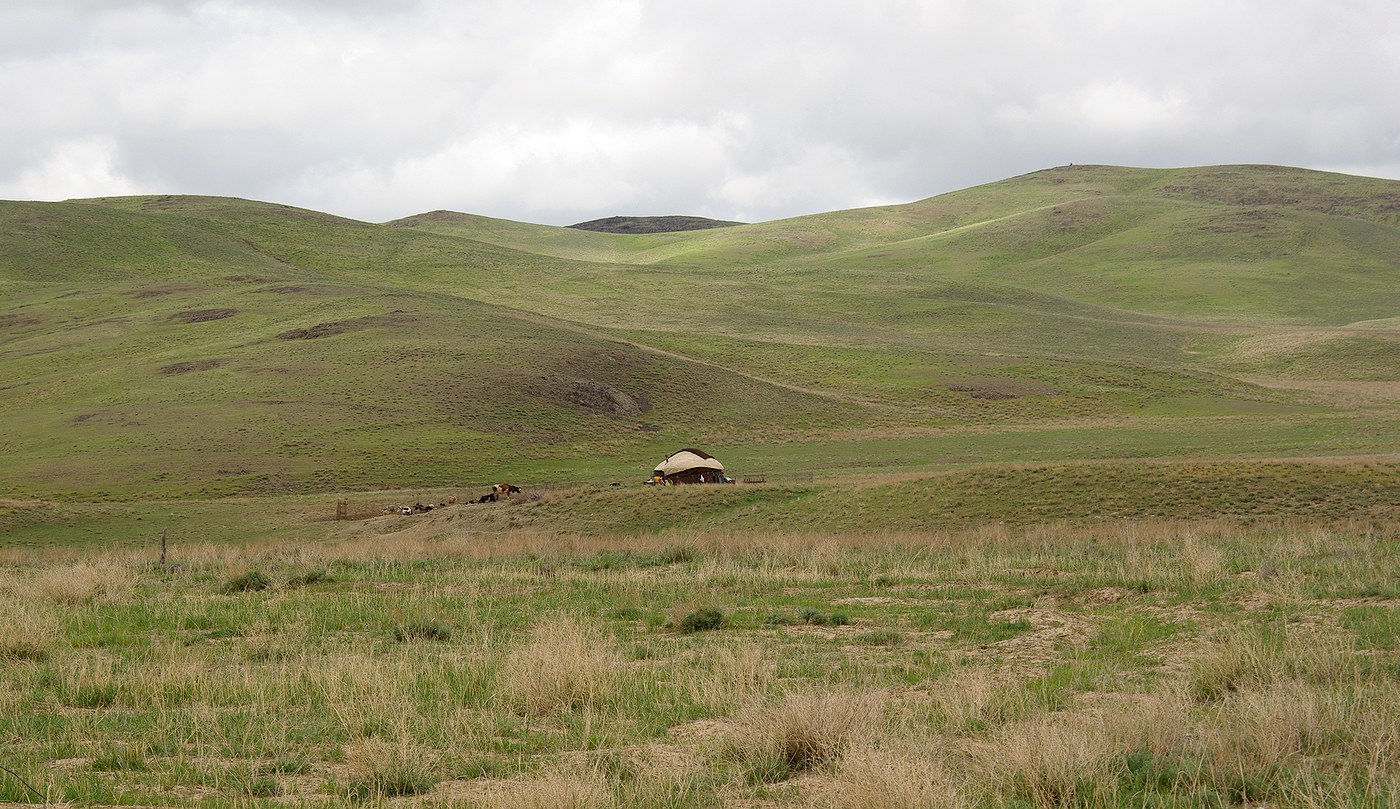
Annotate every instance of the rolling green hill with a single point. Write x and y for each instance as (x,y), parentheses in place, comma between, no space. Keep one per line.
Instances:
(195,347)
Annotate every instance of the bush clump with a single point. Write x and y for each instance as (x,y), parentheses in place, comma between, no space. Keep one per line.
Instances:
(251,581)
(819,618)
(701,620)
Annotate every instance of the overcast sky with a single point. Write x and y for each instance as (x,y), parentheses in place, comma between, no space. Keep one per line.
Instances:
(558,112)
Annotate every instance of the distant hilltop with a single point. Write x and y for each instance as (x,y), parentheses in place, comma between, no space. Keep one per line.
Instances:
(652,224)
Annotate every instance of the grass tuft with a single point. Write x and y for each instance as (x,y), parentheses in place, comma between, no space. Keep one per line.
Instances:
(378,768)
(563,665)
(85,582)
(28,632)
(422,630)
(701,620)
(252,581)
(805,731)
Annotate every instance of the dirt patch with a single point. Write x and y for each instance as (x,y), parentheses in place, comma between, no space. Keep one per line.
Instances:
(875,600)
(287,290)
(13,321)
(648,428)
(158,292)
(596,397)
(318,331)
(342,326)
(1034,650)
(702,730)
(193,365)
(1108,595)
(999,392)
(252,279)
(203,315)
(82,417)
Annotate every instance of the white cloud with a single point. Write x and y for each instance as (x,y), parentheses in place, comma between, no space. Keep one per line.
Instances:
(559,111)
(86,167)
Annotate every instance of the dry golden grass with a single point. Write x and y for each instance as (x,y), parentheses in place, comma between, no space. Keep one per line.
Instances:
(29,631)
(378,768)
(1243,660)
(85,582)
(963,699)
(803,731)
(1256,729)
(734,674)
(909,776)
(366,694)
(563,665)
(1045,760)
(580,789)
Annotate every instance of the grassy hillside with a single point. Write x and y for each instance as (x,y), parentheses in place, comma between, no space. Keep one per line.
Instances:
(168,347)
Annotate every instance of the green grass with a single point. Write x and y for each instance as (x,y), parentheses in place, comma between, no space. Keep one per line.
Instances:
(1073,314)
(979,658)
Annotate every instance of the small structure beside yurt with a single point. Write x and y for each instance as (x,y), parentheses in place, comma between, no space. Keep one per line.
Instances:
(689,466)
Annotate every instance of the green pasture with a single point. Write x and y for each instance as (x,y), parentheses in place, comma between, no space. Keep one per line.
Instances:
(156,348)
(1147,664)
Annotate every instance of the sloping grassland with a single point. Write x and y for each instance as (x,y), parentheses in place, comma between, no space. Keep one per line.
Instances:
(159,347)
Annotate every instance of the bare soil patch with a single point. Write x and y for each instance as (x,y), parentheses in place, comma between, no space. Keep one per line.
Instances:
(160,291)
(13,321)
(193,365)
(342,326)
(596,397)
(203,315)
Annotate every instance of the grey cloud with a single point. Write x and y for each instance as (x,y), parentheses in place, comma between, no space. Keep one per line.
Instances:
(562,111)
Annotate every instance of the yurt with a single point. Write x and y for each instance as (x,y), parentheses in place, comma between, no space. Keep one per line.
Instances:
(689,466)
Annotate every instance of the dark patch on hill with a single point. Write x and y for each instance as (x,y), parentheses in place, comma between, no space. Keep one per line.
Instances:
(342,326)
(193,365)
(652,224)
(15,321)
(160,291)
(596,397)
(203,315)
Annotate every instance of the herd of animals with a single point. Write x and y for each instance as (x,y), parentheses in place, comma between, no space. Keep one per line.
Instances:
(498,491)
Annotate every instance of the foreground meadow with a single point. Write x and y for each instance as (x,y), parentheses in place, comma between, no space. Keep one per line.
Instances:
(1144,664)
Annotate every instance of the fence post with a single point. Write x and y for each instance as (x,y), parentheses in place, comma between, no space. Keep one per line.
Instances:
(162,546)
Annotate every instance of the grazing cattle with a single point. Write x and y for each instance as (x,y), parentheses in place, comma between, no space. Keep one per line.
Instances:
(505,488)
(489,497)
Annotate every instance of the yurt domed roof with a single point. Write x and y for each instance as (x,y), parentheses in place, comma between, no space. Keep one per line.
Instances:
(685,459)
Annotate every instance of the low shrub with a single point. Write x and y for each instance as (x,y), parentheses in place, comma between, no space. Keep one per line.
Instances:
(701,620)
(819,618)
(251,581)
(422,630)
